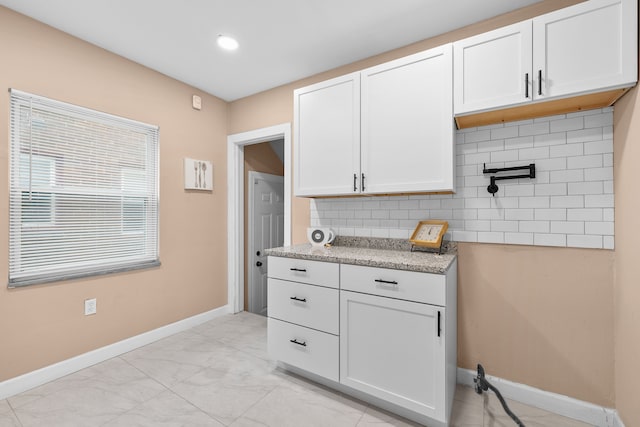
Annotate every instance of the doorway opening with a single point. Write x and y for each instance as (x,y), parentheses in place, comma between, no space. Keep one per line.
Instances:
(236,145)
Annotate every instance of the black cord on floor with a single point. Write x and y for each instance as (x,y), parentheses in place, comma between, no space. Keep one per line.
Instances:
(482,384)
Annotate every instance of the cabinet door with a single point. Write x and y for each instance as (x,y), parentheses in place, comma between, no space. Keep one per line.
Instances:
(587,47)
(407,124)
(493,69)
(327,137)
(390,349)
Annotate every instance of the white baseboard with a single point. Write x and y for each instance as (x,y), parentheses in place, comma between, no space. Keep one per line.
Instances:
(49,373)
(552,402)
(617,422)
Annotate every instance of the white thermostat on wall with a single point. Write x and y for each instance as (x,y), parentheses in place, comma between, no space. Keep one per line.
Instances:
(320,236)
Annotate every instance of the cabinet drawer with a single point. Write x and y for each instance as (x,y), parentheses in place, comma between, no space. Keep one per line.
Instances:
(307,305)
(304,271)
(313,351)
(407,285)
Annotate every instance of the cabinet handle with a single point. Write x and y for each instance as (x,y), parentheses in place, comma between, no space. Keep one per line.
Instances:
(302,270)
(387,282)
(298,299)
(363,182)
(539,82)
(295,341)
(526,85)
(439,325)
(355,182)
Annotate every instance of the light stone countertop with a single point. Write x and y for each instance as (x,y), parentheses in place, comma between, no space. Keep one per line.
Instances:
(373,252)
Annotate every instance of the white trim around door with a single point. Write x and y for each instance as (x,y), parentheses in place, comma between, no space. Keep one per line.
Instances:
(235,203)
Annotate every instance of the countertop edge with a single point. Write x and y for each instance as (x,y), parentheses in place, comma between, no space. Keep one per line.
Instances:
(448,258)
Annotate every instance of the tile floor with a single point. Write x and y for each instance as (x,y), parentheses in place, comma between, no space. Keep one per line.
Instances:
(219,374)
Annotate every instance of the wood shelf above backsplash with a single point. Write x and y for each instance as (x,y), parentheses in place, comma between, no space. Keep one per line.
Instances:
(541,109)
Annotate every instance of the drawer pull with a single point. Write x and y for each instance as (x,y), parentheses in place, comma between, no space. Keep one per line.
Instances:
(298,299)
(295,341)
(302,270)
(387,282)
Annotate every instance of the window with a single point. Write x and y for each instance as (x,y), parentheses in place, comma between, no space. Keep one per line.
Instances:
(83,192)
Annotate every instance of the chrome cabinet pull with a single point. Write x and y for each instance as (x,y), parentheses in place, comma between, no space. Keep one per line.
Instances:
(298,299)
(295,341)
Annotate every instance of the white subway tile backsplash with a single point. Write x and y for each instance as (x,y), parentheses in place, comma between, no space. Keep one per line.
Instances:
(518,143)
(519,214)
(607,242)
(550,214)
(585,214)
(566,150)
(584,135)
(533,153)
(603,228)
(608,214)
(490,237)
(598,120)
(504,132)
(598,201)
(559,189)
(572,175)
(534,129)
(550,139)
(504,226)
(566,124)
(534,227)
(477,136)
(518,238)
(594,187)
(567,227)
(569,203)
(541,239)
(584,241)
(583,162)
(539,202)
(518,190)
(598,147)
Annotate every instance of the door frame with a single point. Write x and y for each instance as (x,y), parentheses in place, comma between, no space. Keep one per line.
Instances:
(235,203)
(251,227)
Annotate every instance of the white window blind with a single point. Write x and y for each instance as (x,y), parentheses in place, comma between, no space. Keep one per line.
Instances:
(83,192)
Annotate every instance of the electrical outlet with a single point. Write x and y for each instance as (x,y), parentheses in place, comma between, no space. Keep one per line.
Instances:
(90,306)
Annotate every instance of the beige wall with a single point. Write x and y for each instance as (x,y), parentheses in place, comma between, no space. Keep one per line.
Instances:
(627,278)
(548,322)
(538,316)
(257,158)
(40,325)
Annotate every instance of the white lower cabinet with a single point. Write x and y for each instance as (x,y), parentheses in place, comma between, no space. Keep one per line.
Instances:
(394,350)
(387,336)
(306,348)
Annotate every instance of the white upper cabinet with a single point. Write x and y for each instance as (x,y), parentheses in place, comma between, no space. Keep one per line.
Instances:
(586,48)
(407,124)
(327,137)
(401,141)
(493,69)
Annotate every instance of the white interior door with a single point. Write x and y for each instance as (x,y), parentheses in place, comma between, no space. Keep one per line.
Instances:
(266,230)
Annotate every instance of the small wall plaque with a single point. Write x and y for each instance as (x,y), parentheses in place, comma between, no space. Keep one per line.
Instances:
(198,174)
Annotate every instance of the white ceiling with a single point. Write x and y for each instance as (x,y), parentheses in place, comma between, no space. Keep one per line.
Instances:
(280,40)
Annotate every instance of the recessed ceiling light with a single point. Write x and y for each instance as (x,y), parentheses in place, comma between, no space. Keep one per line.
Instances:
(227,42)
